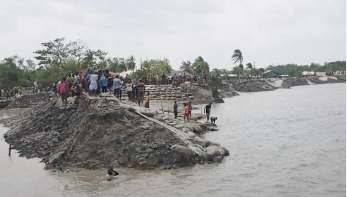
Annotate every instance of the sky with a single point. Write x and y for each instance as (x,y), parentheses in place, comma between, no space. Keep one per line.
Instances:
(268,32)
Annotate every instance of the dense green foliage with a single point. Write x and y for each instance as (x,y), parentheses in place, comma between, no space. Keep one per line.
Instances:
(57,58)
(295,70)
(198,66)
(153,66)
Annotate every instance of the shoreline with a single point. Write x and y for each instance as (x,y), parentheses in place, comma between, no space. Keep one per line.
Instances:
(97,132)
(191,131)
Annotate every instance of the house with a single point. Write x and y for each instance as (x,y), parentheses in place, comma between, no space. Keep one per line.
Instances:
(320,74)
(340,73)
(307,73)
(283,76)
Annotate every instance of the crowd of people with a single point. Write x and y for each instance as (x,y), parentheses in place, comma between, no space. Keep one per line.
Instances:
(7,93)
(176,79)
(102,81)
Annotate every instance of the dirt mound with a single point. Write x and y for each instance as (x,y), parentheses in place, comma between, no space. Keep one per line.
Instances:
(289,82)
(29,100)
(253,86)
(95,133)
(299,81)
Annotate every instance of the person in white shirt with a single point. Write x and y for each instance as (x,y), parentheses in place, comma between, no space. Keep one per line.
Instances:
(129,91)
(93,84)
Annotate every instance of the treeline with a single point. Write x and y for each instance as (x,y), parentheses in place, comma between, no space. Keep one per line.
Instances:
(295,70)
(57,58)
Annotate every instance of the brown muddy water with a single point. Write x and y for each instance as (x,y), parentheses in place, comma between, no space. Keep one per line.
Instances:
(288,142)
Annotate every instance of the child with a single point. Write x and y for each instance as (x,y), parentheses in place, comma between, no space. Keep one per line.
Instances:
(147,100)
(186,112)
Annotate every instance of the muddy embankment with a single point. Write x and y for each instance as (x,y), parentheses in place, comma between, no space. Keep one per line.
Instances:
(269,84)
(299,81)
(251,85)
(203,93)
(94,132)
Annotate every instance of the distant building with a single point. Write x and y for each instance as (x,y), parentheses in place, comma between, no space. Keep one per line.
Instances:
(270,74)
(284,76)
(307,73)
(321,74)
(340,73)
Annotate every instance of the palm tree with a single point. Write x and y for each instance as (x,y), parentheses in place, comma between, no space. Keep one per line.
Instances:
(249,66)
(131,63)
(236,70)
(186,66)
(200,66)
(238,58)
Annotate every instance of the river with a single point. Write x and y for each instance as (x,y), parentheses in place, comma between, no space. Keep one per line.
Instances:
(287,142)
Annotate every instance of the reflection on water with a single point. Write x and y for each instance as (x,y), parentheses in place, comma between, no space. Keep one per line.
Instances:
(282,143)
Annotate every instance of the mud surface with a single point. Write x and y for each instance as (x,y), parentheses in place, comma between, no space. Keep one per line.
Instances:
(253,85)
(97,132)
(29,100)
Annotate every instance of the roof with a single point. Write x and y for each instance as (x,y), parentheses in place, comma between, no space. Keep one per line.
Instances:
(267,71)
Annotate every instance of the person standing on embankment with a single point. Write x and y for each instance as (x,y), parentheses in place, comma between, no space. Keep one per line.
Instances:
(140,92)
(207,110)
(186,112)
(62,87)
(175,107)
(117,87)
(148,97)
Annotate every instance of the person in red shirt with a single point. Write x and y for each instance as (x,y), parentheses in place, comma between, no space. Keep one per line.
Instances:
(62,88)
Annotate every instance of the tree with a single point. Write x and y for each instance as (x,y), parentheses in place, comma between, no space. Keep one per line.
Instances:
(77,51)
(261,71)
(131,63)
(10,73)
(200,66)
(154,66)
(113,64)
(238,58)
(94,59)
(216,72)
(236,70)
(55,52)
(30,64)
(186,67)
(249,66)
(122,65)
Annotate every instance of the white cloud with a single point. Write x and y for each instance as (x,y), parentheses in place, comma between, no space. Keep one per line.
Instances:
(272,31)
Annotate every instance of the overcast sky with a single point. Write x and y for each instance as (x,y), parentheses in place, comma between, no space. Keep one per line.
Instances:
(266,31)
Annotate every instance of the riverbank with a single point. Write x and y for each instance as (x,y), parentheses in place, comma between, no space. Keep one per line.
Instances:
(94,132)
(270,84)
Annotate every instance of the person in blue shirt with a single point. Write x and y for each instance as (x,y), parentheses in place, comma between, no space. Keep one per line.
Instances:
(103,84)
(117,83)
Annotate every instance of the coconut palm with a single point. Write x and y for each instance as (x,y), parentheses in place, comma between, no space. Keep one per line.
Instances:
(249,66)
(200,66)
(238,58)
(131,63)
(186,66)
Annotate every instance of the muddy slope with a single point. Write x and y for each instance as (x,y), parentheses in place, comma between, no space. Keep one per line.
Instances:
(253,85)
(96,133)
